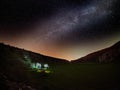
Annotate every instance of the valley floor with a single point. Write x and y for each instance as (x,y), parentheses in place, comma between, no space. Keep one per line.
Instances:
(76,77)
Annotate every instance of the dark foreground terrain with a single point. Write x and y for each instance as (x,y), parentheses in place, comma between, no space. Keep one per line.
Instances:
(16,74)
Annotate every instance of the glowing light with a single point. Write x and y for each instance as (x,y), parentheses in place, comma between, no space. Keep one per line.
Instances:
(47,71)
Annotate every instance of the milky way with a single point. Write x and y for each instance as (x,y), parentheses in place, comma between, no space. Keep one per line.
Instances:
(66,29)
(68,20)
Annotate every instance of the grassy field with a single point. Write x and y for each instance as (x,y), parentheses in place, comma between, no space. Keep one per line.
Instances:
(80,77)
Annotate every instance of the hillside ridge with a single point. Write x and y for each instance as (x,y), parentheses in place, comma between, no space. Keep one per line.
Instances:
(110,54)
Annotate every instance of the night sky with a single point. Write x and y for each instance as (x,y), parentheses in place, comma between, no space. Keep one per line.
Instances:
(67,29)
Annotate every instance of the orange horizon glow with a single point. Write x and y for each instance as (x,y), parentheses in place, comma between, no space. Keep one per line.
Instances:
(62,52)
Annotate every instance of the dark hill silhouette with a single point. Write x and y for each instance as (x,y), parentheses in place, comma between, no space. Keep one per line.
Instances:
(110,54)
(10,52)
(14,71)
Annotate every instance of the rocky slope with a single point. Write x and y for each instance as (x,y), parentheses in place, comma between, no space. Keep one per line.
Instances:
(111,54)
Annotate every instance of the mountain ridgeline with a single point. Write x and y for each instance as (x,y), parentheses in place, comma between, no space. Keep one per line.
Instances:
(10,52)
(107,55)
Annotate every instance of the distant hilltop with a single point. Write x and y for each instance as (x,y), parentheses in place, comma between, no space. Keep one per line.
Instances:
(107,55)
(8,52)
